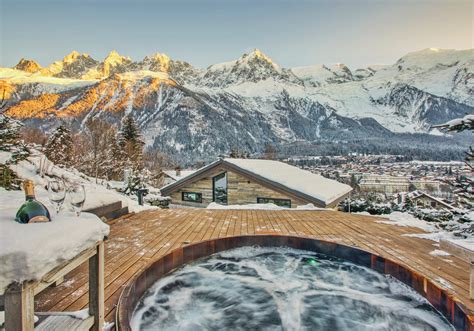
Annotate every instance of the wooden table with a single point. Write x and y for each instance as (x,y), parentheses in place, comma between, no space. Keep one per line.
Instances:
(19,297)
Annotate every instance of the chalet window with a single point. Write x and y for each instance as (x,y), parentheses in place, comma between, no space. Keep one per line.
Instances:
(192,197)
(219,188)
(278,202)
(433,203)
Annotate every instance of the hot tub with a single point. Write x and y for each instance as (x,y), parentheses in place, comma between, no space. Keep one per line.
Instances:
(282,283)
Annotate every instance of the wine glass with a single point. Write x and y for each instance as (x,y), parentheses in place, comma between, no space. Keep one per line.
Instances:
(77,196)
(56,193)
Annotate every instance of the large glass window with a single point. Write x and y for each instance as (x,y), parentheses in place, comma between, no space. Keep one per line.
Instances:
(192,197)
(219,188)
(278,202)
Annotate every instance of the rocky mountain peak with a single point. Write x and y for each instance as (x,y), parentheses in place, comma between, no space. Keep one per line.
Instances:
(76,56)
(114,58)
(30,66)
(257,58)
(71,57)
(251,67)
(114,63)
(156,62)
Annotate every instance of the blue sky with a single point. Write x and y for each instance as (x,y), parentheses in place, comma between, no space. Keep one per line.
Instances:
(203,32)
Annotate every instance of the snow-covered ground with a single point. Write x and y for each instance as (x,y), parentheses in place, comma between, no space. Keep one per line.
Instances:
(432,232)
(40,170)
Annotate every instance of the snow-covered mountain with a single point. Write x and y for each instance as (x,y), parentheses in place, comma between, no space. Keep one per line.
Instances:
(247,102)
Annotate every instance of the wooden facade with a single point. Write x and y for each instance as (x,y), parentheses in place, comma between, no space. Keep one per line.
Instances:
(240,190)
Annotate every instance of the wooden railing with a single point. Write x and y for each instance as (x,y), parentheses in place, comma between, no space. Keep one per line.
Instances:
(19,297)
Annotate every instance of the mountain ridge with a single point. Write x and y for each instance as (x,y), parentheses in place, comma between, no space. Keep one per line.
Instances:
(247,102)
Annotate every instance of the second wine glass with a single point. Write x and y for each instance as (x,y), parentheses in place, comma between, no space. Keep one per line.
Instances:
(56,193)
(77,196)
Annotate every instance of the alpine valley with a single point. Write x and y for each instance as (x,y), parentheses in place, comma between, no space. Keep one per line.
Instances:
(196,114)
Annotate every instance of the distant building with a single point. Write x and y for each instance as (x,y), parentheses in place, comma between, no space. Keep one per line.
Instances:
(250,181)
(167,177)
(394,184)
(423,200)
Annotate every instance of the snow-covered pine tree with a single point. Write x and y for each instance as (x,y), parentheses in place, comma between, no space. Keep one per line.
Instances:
(10,142)
(234,153)
(9,132)
(10,139)
(129,152)
(59,148)
(131,143)
(463,185)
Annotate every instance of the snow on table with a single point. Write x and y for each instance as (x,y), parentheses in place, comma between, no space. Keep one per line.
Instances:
(29,251)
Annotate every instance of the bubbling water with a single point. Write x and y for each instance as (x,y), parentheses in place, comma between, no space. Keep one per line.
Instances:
(256,288)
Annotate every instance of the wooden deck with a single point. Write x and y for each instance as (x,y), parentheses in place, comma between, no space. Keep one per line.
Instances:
(138,240)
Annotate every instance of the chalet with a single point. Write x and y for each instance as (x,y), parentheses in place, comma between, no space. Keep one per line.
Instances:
(166,177)
(424,200)
(250,181)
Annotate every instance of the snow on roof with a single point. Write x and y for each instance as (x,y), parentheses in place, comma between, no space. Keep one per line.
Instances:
(184,173)
(418,193)
(316,186)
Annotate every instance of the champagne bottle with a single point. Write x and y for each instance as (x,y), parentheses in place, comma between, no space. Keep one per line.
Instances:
(32,211)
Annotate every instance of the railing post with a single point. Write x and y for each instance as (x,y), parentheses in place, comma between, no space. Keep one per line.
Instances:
(471,281)
(96,287)
(19,307)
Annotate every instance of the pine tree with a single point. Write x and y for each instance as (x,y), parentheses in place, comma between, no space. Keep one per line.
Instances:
(234,153)
(10,142)
(131,143)
(354,183)
(59,148)
(10,139)
(128,153)
(270,153)
(9,132)
(463,185)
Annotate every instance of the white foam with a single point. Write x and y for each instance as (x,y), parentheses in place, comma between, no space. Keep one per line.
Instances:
(280,288)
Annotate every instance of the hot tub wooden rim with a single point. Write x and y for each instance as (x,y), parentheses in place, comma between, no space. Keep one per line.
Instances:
(450,306)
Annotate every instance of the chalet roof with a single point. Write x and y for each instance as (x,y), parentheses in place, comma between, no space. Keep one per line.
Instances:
(299,182)
(417,194)
(183,173)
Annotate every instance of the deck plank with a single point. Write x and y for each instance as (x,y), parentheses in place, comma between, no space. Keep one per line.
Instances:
(138,240)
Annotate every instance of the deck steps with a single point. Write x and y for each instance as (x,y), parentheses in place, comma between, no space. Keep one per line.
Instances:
(110,211)
(65,322)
